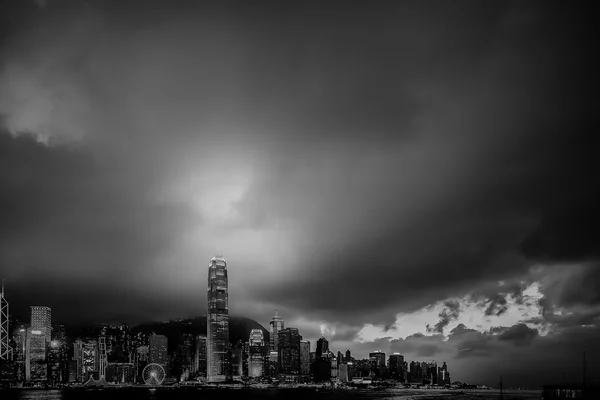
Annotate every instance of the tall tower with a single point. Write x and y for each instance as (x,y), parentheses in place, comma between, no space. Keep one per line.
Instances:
(275,326)
(102,356)
(41,317)
(217,326)
(5,351)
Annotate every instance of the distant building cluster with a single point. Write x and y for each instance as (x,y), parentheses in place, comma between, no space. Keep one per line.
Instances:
(39,353)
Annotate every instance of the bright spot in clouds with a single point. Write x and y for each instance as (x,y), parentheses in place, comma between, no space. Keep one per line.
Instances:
(471,313)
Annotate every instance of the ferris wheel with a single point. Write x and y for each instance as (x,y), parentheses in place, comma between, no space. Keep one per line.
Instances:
(153,374)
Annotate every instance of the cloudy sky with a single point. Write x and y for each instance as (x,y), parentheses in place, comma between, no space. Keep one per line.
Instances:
(414,176)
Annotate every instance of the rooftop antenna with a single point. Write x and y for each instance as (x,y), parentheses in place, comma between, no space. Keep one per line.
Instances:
(2,293)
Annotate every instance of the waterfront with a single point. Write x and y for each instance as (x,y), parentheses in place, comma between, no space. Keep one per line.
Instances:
(288,394)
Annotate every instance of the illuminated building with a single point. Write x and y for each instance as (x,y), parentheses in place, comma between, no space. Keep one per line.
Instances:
(102,357)
(142,353)
(20,351)
(77,358)
(41,318)
(183,359)
(35,356)
(236,360)
(5,350)
(90,360)
(334,368)
(275,326)
(256,354)
(289,351)
(217,338)
(158,350)
(59,335)
(120,373)
(200,355)
(140,359)
(304,357)
(55,373)
(273,363)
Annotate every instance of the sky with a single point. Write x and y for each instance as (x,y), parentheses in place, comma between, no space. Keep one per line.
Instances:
(414,177)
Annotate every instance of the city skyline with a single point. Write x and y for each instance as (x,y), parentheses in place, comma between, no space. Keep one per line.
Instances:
(416,176)
(39,359)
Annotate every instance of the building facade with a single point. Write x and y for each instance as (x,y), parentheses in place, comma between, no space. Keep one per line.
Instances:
(41,320)
(200,356)
(90,360)
(396,364)
(157,348)
(35,356)
(257,351)
(20,351)
(289,351)
(217,337)
(304,357)
(322,348)
(275,326)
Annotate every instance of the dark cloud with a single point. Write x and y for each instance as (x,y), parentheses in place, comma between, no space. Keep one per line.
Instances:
(351,162)
(450,312)
(68,223)
(519,334)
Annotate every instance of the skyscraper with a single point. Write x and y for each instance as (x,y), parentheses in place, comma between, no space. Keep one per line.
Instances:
(275,326)
(396,362)
(157,345)
(90,360)
(41,318)
(183,360)
(4,330)
(273,366)
(257,352)
(289,351)
(304,357)
(20,351)
(322,347)
(35,356)
(217,326)
(377,361)
(200,355)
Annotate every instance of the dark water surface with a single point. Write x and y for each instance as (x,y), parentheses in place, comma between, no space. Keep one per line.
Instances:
(287,394)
